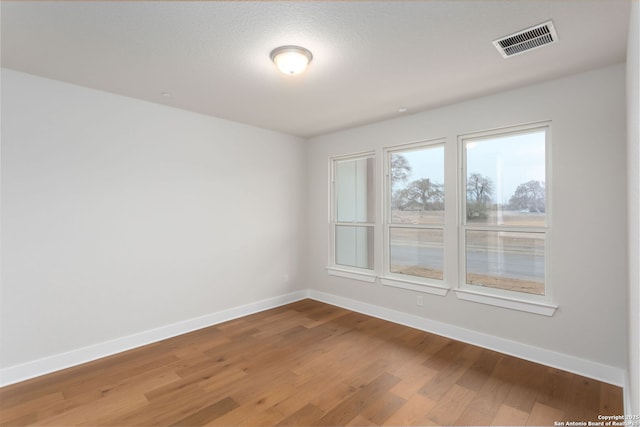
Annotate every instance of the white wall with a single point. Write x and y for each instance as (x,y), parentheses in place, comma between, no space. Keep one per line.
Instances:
(588,258)
(120,216)
(633,164)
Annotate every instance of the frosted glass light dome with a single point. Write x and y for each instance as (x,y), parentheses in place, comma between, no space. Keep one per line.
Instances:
(291,60)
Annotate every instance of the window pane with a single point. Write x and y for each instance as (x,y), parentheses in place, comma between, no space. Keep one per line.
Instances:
(354,188)
(354,246)
(417,186)
(506,179)
(416,252)
(506,260)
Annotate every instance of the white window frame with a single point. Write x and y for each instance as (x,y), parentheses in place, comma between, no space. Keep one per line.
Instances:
(404,281)
(350,272)
(538,304)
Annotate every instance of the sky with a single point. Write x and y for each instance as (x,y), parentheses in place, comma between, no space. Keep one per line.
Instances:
(508,160)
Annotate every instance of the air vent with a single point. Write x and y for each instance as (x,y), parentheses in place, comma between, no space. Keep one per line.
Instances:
(525,40)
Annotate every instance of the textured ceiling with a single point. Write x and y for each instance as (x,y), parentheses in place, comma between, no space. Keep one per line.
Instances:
(370,58)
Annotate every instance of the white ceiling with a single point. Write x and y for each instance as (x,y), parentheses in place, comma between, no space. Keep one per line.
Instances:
(370,58)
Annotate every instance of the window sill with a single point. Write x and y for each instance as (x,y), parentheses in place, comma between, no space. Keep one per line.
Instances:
(350,274)
(507,302)
(428,288)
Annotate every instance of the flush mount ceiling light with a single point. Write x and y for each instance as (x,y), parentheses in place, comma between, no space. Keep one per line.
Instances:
(291,60)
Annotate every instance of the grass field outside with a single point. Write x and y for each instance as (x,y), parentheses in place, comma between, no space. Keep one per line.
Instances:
(511,257)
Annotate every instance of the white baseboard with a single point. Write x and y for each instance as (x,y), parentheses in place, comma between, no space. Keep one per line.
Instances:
(35,368)
(587,368)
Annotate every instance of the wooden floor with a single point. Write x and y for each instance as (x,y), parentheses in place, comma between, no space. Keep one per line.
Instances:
(307,364)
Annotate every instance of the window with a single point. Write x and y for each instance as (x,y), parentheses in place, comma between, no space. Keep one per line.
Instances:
(503,205)
(414,217)
(353,217)
(505,211)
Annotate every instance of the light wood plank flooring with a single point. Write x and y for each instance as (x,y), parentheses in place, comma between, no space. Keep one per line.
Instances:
(307,364)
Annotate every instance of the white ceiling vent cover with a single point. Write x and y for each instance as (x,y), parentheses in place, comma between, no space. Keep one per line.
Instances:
(527,39)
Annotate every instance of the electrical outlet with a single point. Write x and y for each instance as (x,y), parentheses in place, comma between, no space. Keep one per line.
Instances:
(286,278)
(420,301)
